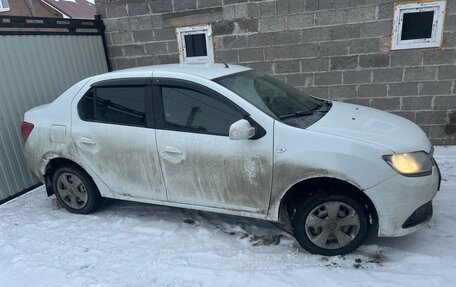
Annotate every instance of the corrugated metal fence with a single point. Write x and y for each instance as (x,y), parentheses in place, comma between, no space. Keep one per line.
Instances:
(34,70)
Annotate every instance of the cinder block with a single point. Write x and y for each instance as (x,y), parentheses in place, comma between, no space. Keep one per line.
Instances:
(344,32)
(333,48)
(228,2)
(431,117)
(328,78)
(231,42)
(386,104)
(165,34)
(311,5)
(168,59)
(447,72)
(260,39)
(184,5)
(360,102)
(408,115)
(121,38)
(344,62)
(135,9)
(134,50)
(449,40)
(439,57)
(157,48)
(268,9)
(372,91)
(304,51)
(363,46)
(435,88)
(265,67)
(406,58)
(247,25)
(298,21)
(224,27)
(374,61)
(376,29)
(315,65)
(278,52)
(443,103)
(209,3)
(357,77)
(385,11)
(281,67)
(403,89)
(116,10)
(251,55)
(388,75)
(286,37)
(420,73)
(226,56)
(342,92)
(283,7)
(161,6)
(315,34)
(417,103)
(271,24)
(143,36)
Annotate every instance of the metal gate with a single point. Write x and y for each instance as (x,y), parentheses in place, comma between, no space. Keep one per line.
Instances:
(39,59)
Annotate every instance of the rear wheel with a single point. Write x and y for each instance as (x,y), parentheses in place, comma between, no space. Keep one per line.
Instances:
(330,224)
(75,190)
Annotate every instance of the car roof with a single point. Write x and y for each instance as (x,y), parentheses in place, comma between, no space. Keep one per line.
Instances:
(210,72)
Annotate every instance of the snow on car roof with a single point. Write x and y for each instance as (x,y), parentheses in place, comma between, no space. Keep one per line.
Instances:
(210,72)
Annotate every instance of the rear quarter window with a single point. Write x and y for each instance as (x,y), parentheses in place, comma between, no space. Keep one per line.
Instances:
(114,105)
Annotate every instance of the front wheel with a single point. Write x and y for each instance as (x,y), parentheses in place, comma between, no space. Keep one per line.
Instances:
(330,224)
(75,190)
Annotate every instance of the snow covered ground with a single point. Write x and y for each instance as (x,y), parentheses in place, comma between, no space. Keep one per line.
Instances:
(131,244)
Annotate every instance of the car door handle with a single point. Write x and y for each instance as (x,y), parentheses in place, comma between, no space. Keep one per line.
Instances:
(86,141)
(172,149)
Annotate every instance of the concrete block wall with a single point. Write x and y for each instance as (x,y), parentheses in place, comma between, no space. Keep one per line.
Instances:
(334,49)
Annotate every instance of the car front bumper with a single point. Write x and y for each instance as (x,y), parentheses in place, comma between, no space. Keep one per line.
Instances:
(404,204)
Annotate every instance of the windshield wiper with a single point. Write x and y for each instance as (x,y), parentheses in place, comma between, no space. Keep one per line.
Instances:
(297,114)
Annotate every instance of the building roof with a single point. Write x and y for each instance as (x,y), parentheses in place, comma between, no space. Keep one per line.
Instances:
(80,9)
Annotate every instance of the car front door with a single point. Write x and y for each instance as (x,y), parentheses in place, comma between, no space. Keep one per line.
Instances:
(200,164)
(113,131)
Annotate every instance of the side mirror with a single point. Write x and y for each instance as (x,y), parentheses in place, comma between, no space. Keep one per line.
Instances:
(241,130)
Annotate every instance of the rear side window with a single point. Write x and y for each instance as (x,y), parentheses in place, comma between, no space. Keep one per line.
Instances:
(115,105)
(192,111)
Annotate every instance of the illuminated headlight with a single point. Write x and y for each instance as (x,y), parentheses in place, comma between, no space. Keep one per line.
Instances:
(411,164)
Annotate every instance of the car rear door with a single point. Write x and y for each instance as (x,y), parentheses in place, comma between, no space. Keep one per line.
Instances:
(114,135)
(200,164)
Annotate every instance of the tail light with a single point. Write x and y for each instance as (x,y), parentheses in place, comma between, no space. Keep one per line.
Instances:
(26,129)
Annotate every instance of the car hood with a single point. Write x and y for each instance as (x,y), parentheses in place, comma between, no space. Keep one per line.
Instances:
(372,126)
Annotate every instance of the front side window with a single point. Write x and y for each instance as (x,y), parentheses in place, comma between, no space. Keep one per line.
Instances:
(4,6)
(114,105)
(418,25)
(193,111)
(270,95)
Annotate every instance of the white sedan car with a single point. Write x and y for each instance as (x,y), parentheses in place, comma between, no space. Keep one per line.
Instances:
(233,140)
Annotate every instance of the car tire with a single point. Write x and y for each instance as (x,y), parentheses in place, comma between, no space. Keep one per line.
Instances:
(329,224)
(75,190)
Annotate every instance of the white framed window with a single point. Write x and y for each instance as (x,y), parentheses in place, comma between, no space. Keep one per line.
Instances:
(4,6)
(418,25)
(195,44)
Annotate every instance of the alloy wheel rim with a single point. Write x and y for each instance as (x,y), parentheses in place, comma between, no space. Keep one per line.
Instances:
(72,190)
(332,225)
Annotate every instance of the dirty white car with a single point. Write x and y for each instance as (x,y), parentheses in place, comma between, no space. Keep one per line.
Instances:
(233,140)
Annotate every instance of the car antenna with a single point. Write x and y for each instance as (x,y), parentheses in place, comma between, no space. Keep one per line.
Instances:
(226,65)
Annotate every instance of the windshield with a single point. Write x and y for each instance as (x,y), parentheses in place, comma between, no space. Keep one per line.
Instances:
(270,95)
